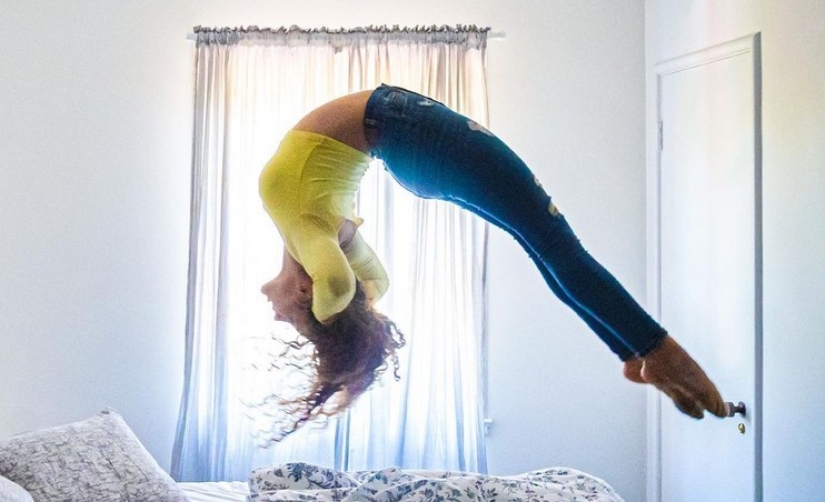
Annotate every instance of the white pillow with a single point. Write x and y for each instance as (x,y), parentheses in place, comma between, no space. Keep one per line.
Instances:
(12,492)
(99,459)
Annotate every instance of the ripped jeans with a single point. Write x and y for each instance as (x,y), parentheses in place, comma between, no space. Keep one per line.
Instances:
(437,153)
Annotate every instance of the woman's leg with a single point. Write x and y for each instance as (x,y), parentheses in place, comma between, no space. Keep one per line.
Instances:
(437,153)
(503,188)
(497,185)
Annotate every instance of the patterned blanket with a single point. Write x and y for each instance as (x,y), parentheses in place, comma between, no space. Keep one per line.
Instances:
(300,481)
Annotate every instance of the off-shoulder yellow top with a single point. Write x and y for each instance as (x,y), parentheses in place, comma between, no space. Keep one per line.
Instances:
(308,188)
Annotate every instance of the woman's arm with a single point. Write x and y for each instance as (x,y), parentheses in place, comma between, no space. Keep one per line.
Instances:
(363,261)
(367,268)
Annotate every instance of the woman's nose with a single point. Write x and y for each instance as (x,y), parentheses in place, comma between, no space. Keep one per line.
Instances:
(266,287)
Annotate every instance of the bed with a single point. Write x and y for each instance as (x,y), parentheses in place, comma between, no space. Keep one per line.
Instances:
(100,459)
(299,481)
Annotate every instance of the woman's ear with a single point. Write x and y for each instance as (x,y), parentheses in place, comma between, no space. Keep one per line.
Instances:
(304,284)
(305,294)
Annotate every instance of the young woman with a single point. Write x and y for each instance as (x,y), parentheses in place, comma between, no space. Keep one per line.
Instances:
(330,277)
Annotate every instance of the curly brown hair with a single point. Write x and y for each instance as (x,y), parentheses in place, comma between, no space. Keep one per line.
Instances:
(348,355)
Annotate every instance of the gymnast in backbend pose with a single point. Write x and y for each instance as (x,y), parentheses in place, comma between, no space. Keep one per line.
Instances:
(330,277)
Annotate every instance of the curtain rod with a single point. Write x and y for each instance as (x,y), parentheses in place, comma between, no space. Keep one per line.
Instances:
(491,35)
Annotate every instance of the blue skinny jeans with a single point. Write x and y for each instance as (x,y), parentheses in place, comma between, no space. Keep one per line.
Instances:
(437,153)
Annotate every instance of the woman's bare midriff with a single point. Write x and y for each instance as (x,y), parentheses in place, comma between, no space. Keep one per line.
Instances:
(341,119)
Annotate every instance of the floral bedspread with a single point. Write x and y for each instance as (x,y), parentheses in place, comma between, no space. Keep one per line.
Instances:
(300,481)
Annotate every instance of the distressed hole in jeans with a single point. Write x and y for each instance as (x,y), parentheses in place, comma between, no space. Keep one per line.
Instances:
(425,102)
(475,126)
(553,209)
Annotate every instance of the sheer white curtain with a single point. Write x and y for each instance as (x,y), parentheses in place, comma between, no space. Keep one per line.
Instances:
(251,87)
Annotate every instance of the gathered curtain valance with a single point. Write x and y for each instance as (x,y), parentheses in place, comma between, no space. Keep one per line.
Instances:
(471,35)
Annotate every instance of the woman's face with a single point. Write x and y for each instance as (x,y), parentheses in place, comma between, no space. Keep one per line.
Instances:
(290,294)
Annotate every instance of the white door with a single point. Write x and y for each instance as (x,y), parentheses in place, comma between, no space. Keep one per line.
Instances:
(709,265)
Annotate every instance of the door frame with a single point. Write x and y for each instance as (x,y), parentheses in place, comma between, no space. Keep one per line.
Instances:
(749,45)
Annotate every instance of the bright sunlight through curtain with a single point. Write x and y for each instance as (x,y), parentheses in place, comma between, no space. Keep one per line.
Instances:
(251,86)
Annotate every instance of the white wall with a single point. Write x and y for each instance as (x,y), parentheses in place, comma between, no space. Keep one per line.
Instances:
(565,94)
(793,114)
(95,152)
(94,155)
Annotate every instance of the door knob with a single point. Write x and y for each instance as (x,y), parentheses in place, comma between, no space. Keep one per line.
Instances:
(733,409)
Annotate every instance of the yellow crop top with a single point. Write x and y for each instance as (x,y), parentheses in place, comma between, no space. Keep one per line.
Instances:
(308,188)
